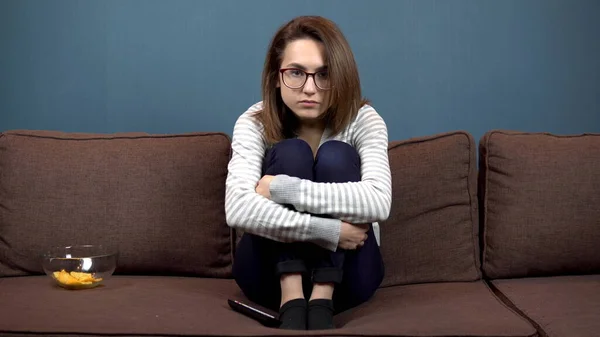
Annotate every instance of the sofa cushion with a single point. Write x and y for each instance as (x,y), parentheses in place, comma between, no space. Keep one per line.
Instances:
(562,306)
(158,197)
(136,305)
(541,204)
(432,232)
(436,309)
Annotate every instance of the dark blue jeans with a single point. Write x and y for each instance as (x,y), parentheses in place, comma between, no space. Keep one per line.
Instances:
(260,262)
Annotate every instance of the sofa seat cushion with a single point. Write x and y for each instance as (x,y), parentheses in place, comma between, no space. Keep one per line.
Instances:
(436,309)
(141,305)
(561,306)
(130,305)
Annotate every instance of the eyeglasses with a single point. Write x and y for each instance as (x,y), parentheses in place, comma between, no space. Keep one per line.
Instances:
(295,78)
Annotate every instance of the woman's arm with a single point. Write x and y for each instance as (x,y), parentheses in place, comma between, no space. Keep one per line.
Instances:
(356,202)
(251,212)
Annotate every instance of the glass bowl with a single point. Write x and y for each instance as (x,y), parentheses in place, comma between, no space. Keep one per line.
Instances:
(80,266)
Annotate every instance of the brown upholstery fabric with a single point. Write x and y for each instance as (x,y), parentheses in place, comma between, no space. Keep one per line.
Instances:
(563,306)
(436,309)
(432,232)
(194,306)
(541,204)
(160,198)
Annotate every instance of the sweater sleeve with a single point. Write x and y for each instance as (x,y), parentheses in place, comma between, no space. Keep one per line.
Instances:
(356,202)
(249,211)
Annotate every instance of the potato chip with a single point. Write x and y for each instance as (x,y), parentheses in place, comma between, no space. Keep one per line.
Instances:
(83,277)
(75,278)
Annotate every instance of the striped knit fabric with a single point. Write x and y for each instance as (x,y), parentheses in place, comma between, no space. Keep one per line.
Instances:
(367,201)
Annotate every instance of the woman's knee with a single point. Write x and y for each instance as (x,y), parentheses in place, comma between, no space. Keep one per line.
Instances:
(292,157)
(337,162)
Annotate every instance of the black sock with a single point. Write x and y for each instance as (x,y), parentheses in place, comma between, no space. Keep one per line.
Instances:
(320,314)
(292,315)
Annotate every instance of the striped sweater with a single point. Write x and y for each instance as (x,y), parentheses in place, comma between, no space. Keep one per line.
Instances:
(367,201)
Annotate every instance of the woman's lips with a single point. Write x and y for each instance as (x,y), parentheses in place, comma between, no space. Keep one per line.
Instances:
(308,103)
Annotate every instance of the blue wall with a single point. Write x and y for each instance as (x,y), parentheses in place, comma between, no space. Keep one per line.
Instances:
(180,66)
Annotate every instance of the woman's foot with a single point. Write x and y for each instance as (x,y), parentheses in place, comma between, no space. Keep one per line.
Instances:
(292,315)
(320,314)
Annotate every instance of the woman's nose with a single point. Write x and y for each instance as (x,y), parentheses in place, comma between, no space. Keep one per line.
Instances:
(310,86)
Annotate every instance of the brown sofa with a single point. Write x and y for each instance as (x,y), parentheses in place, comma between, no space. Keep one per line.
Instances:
(508,248)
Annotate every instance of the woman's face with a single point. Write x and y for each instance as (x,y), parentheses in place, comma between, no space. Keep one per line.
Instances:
(309,101)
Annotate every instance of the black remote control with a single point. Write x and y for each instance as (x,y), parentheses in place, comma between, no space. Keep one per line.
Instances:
(261,316)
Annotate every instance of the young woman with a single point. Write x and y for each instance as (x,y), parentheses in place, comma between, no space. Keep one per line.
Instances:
(308,179)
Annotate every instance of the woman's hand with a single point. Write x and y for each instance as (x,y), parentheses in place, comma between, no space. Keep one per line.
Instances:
(263,186)
(352,236)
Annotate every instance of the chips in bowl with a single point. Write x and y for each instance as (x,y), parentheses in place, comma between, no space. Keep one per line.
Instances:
(75,279)
(80,266)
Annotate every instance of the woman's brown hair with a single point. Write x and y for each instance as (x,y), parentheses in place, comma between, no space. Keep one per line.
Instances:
(345,93)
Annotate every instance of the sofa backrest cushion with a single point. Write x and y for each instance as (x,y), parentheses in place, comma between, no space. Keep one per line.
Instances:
(541,204)
(158,197)
(432,232)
